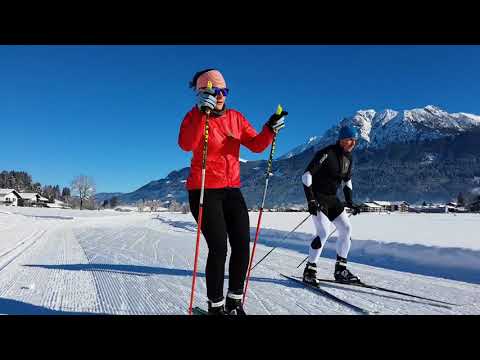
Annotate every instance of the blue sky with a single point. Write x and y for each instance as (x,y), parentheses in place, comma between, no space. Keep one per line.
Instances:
(113,112)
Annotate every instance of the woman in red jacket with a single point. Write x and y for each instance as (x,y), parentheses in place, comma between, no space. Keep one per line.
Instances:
(225,212)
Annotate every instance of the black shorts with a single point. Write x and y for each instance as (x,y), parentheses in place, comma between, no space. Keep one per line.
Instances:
(330,205)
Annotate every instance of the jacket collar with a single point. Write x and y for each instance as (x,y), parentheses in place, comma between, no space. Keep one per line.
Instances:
(217,113)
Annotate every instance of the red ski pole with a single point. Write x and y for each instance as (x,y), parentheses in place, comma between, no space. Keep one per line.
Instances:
(200,213)
(257,233)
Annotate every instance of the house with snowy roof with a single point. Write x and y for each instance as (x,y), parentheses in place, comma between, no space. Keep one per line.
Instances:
(393,205)
(33,199)
(371,207)
(401,206)
(9,197)
(385,205)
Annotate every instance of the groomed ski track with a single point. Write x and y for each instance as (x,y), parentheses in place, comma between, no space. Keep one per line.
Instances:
(88,262)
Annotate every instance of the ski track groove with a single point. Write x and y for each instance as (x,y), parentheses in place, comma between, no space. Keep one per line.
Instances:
(65,288)
(12,281)
(20,253)
(116,287)
(305,310)
(260,302)
(139,290)
(21,242)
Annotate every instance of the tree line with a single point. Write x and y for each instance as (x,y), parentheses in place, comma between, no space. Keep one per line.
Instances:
(22,182)
(82,188)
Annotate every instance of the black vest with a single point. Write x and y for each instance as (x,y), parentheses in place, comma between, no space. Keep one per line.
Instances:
(329,167)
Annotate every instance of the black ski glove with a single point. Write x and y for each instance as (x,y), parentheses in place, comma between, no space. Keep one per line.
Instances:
(356,209)
(277,121)
(313,207)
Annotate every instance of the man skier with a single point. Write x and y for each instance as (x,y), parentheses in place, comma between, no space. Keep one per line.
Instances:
(330,167)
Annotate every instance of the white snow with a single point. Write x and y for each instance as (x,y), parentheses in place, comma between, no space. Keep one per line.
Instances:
(61,261)
(439,230)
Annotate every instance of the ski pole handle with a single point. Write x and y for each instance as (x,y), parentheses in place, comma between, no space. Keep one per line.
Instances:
(206,109)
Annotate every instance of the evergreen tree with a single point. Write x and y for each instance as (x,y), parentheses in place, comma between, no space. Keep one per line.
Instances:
(66,194)
(56,192)
(114,202)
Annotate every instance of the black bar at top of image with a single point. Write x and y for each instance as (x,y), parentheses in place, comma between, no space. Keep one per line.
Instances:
(189,34)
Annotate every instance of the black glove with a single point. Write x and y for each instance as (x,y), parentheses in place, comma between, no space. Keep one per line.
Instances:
(277,121)
(354,207)
(313,207)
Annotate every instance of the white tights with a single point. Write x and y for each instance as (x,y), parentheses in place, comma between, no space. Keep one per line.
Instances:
(324,228)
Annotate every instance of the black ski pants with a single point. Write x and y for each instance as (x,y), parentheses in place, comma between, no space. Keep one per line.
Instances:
(224,214)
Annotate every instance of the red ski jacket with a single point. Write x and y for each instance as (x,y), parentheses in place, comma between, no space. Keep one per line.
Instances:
(226,133)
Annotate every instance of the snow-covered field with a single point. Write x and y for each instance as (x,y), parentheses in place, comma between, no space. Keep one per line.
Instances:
(441,245)
(55,261)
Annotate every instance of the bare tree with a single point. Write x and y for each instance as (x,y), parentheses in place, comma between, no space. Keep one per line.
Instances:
(84,187)
(185,208)
(174,206)
(154,205)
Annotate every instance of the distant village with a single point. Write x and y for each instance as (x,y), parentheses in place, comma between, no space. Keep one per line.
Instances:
(11,197)
(398,206)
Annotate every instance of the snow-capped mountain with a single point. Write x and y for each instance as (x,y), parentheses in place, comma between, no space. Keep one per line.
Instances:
(314,140)
(379,129)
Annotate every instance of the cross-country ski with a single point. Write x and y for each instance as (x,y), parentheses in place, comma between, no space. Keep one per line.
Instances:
(323,292)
